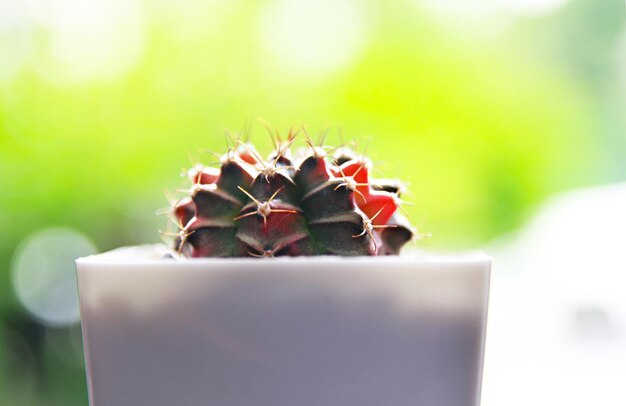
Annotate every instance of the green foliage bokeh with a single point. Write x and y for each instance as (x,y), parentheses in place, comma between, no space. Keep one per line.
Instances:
(482,130)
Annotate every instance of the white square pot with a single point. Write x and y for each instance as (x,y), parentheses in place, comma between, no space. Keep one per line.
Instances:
(308,331)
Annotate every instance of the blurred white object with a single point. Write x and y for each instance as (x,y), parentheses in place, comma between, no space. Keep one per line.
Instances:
(557,321)
(305,331)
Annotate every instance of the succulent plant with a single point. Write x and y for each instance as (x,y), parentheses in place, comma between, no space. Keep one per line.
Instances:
(313,203)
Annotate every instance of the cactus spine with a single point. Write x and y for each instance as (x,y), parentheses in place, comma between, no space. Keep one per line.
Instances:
(314,204)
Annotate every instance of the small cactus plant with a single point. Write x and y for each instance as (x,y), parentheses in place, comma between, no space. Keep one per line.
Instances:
(314,203)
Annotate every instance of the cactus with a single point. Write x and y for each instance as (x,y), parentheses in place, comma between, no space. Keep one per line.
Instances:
(313,204)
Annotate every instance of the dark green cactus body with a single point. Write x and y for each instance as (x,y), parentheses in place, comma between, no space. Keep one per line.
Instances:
(334,220)
(273,223)
(394,238)
(251,207)
(211,232)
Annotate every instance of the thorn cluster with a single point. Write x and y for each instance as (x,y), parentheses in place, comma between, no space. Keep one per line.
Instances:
(320,202)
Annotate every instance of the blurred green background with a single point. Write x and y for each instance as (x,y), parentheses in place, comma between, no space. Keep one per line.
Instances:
(486,108)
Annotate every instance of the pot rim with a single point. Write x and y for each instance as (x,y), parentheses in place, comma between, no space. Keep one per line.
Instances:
(153,255)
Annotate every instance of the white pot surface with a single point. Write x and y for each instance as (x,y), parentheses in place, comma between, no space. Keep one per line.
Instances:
(308,331)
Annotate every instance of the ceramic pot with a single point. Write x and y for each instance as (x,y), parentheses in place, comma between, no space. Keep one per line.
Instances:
(307,331)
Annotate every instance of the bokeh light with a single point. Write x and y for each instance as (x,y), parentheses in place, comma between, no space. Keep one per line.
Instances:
(93,40)
(312,38)
(15,40)
(44,275)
